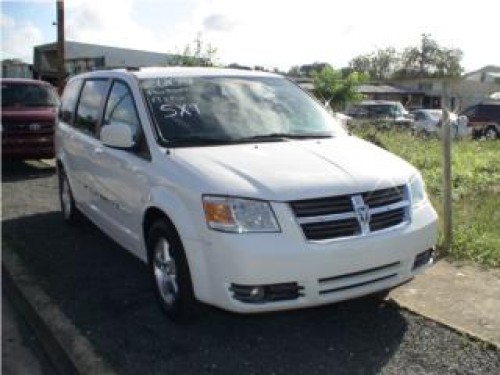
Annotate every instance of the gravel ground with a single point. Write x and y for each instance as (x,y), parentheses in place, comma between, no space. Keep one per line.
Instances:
(105,291)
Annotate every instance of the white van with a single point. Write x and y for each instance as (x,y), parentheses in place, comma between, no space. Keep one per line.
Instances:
(238,189)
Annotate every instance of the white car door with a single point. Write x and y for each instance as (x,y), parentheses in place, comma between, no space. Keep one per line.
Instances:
(120,178)
(77,133)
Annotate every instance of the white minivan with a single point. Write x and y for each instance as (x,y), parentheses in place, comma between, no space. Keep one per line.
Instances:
(238,189)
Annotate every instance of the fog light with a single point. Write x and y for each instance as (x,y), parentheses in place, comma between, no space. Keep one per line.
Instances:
(257,292)
(266,293)
(423,258)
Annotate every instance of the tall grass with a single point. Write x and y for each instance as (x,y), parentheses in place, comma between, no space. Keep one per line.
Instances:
(475,186)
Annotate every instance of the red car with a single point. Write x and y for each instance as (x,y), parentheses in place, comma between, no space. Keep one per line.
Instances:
(29,110)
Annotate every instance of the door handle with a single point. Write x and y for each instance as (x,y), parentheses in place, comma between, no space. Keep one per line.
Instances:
(98,150)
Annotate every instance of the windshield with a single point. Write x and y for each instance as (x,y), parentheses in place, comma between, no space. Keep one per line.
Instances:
(435,115)
(28,95)
(193,110)
(396,109)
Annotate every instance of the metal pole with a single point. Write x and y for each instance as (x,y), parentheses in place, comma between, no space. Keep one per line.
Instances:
(447,197)
(61,70)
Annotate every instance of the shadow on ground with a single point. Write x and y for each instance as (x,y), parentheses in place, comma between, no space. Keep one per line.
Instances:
(106,292)
(18,170)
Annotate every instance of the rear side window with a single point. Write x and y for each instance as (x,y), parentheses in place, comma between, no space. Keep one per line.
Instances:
(88,112)
(491,112)
(69,99)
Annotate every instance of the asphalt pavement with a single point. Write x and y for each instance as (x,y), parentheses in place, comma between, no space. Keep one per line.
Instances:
(21,352)
(104,291)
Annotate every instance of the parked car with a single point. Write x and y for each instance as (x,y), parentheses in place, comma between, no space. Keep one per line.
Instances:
(484,119)
(428,122)
(238,189)
(381,110)
(28,119)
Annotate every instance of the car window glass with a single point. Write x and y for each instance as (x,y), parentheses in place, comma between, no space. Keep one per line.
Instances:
(87,114)
(28,95)
(233,108)
(120,108)
(470,112)
(491,112)
(419,116)
(69,99)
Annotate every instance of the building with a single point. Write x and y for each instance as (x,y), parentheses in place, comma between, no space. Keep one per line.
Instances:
(14,68)
(461,91)
(408,96)
(83,57)
(488,74)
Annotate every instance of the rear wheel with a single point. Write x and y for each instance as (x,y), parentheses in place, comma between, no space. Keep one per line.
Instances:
(68,206)
(170,272)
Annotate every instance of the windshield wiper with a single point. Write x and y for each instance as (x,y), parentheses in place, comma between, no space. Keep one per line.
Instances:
(286,136)
(198,141)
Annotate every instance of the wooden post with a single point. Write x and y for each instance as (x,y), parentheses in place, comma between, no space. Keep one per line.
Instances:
(447,187)
(61,69)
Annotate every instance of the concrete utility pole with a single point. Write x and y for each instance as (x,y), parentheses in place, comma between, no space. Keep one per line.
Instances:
(447,193)
(61,70)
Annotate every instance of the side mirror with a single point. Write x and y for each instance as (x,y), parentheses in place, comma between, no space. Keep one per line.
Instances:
(117,135)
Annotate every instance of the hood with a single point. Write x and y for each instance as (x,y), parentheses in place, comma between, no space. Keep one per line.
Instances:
(297,169)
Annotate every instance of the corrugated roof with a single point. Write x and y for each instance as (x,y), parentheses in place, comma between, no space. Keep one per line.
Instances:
(386,89)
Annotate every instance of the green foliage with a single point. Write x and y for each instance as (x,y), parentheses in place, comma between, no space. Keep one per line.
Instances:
(197,53)
(334,90)
(429,59)
(377,65)
(476,187)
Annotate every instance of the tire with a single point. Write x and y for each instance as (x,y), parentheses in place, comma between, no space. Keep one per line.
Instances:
(70,213)
(491,133)
(378,297)
(170,273)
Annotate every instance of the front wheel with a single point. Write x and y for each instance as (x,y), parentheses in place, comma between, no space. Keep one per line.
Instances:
(170,272)
(491,133)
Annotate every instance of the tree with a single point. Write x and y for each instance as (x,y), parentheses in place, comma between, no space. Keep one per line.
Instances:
(430,60)
(294,71)
(378,65)
(427,60)
(197,53)
(334,90)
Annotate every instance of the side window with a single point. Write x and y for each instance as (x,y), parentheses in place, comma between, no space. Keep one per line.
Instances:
(68,101)
(89,106)
(470,112)
(491,112)
(121,108)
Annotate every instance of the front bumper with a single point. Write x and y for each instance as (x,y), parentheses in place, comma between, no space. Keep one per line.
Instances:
(326,272)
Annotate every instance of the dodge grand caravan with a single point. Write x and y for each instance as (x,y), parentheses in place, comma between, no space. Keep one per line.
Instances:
(238,189)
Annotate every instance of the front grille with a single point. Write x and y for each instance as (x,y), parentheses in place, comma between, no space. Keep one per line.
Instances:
(331,229)
(322,206)
(27,127)
(383,197)
(352,215)
(387,219)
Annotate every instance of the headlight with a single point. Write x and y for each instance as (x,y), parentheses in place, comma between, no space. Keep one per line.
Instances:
(239,215)
(417,190)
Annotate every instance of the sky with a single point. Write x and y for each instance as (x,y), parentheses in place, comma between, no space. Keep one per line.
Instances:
(269,33)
